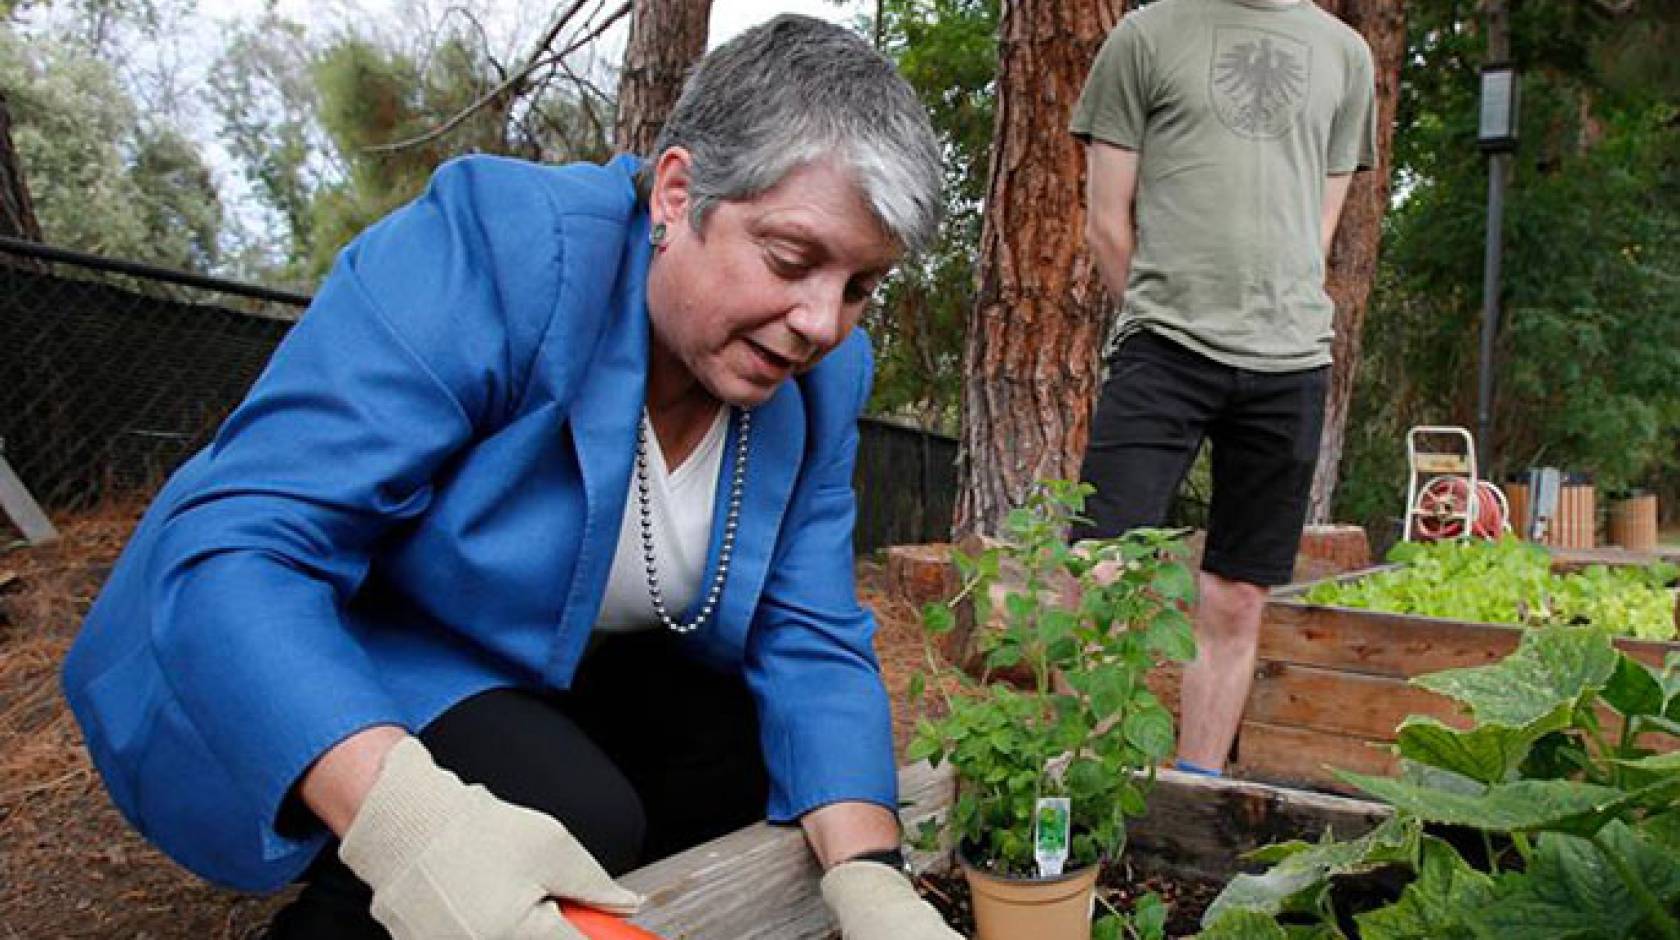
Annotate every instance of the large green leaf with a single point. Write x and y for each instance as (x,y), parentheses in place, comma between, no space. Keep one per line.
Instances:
(1171,636)
(1488,753)
(1663,829)
(1438,778)
(1305,869)
(1572,890)
(1243,925)
(1437,905)
(1150,730)
(1522,806)
(1652,770)
(1634,689)
(1553,666)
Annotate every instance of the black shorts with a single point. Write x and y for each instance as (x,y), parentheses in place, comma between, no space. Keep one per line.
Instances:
(1159,402)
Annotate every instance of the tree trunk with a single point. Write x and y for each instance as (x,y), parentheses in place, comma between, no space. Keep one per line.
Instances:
(17,215)
(1031,357)
(1353,256)
(666,37)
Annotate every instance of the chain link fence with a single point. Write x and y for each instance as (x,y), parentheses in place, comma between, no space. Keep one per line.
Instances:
(112,373)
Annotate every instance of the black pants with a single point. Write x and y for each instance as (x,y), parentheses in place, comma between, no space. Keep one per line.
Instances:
(1159,402)
(647,755)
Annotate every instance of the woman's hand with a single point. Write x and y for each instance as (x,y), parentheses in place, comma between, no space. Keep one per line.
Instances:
(872,901)
(447,860)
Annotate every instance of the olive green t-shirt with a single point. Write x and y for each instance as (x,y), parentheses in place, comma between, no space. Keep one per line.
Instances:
(1239,110)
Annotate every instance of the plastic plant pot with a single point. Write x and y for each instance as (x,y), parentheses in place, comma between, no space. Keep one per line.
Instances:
(1056,908)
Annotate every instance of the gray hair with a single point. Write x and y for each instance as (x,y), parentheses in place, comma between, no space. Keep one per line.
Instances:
(795,90)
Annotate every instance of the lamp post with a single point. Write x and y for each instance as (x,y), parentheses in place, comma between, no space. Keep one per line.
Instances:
(1496,134)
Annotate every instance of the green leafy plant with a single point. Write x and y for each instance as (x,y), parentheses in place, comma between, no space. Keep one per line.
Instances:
(1083,626)
(1578,818)
(1511,581)
(1147,920)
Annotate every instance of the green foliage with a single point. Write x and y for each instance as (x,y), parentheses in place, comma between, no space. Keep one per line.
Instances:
(265,100)
(1085,625)
(1590,335)
(373,96)
(1147,920)
(335,133)
(947,50)
(103,177)
(1511,581)
(1582,847)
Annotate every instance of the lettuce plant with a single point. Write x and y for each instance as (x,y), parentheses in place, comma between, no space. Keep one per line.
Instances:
(1085,625)
(1579,818)
(1511,581)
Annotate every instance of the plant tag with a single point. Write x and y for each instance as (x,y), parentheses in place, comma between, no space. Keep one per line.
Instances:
(1050,834)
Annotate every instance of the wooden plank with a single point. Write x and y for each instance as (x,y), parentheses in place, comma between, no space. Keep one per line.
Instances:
(1200,826)
(1343,703)
(1574,559)
(21,508)
(1400,645)
(1311,697)
(1370,708)
(1368,641)
(1297,757)
(757,883)
(760,883)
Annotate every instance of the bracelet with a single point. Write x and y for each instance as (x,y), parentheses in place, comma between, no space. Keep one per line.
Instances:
(892,858)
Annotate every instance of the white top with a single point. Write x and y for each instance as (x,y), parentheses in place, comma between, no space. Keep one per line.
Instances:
(680,504)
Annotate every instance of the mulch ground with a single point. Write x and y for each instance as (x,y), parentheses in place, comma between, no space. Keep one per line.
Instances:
(69,865)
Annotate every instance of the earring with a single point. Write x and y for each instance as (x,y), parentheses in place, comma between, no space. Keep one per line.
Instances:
(656,237)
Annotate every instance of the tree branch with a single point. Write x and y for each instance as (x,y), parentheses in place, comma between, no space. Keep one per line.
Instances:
(537,60)
(584,103)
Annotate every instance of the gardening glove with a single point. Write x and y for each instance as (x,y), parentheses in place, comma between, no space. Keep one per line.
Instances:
(447,860)
(874,902)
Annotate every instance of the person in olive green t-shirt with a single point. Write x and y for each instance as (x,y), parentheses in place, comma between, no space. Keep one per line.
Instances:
(1221,135)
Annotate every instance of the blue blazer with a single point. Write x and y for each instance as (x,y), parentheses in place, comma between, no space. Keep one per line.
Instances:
(420,499)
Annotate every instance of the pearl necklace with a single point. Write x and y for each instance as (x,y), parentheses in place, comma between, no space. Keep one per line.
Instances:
(729,526)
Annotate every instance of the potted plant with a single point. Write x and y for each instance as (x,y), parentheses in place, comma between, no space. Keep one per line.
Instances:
(1048,771)
(1552,815)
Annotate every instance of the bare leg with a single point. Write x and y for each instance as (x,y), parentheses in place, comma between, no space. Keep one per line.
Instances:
(1215,691)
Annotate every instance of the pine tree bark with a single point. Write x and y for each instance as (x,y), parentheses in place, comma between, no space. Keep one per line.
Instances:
(1032,353)
(17,214)
(1353,256)
(666,37)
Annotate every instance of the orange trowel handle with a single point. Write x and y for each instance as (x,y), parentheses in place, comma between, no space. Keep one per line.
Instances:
(599,925)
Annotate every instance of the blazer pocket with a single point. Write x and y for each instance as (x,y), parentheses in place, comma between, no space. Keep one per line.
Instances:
(122,707)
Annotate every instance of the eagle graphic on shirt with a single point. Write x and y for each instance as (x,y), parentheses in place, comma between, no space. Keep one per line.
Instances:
(1259,81)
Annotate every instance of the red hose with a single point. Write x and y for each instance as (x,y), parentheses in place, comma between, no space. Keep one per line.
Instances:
(1441,508)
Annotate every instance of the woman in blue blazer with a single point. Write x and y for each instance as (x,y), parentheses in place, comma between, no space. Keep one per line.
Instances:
(528,558)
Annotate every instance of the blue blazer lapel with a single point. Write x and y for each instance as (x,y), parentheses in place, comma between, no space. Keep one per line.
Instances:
(603,416)
(774,455)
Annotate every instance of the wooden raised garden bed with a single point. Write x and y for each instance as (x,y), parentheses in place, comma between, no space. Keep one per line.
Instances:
(760,883)
(1330,684)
